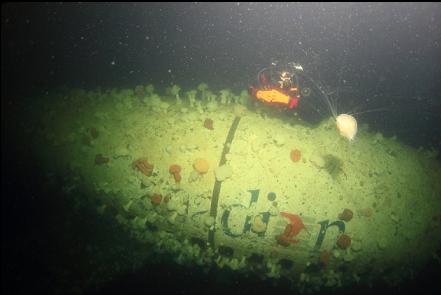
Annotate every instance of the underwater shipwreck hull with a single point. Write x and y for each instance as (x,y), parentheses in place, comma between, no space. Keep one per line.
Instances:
(257,204)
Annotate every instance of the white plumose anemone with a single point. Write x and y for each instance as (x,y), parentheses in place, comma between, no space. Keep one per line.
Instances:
(347,125)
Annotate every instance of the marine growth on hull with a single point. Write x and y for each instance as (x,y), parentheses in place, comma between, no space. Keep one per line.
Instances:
(208,179)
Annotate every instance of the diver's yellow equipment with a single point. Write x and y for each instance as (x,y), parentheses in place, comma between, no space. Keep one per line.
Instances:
(272,96)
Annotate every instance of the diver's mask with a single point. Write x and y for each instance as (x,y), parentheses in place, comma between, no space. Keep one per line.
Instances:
(285,76)
(285,79)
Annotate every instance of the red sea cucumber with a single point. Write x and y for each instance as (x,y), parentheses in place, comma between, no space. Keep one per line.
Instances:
(175,170)
(344,241)
(296,155)
(346,215)
(208,123)
(100,159)
(144,166)
(156,199)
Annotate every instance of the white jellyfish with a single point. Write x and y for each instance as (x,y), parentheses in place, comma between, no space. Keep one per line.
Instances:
(345,123)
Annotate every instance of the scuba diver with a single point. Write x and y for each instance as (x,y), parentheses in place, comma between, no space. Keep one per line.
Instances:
(289,87)
(278,85)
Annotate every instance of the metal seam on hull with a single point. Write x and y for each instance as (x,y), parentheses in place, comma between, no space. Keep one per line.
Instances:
(217,184)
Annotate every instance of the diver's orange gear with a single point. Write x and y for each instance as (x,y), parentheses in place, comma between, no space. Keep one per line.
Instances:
(276,96)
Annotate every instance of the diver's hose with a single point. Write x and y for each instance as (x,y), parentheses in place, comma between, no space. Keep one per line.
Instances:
(297,80)
(258,76)
(328,102)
